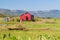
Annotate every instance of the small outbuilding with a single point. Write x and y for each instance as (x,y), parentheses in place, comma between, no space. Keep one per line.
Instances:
(27,17)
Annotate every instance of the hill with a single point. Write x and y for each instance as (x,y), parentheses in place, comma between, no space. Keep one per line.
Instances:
(46,13)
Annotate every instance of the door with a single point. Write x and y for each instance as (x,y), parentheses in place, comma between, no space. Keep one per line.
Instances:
(26,18)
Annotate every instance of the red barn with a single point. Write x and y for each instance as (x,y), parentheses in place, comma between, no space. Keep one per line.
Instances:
(26,17)
(23,17)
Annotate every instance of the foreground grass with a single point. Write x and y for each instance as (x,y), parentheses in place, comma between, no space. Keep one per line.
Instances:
(52,34)
(29,35)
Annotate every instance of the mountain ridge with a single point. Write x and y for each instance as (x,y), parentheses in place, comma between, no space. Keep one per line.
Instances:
(40,13)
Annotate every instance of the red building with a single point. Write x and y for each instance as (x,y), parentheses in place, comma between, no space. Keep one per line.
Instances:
(26,17)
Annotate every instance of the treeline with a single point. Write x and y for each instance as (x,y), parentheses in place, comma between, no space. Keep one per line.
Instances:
(3,15)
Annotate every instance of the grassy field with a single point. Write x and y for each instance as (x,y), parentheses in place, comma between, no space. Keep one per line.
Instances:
(52,34)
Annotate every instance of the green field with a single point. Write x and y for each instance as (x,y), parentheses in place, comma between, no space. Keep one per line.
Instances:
(52,34)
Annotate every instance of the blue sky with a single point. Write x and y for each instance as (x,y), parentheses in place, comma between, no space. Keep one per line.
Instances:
(30,4)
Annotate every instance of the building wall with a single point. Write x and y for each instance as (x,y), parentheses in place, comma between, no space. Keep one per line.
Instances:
(26,16)
(23,17)
(29,16)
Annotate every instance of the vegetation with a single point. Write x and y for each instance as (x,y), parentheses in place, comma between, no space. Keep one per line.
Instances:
(52,34)
(2,15)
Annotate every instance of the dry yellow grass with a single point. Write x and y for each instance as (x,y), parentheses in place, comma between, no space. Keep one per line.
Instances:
(1,18)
